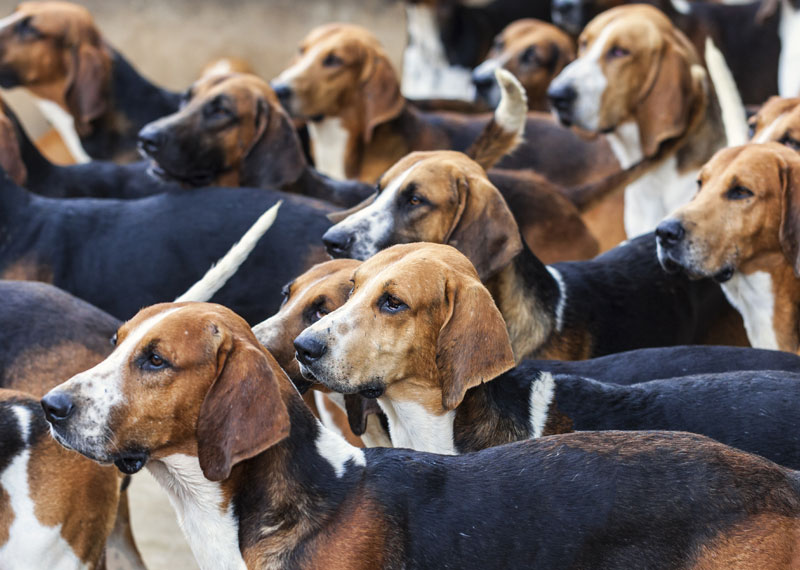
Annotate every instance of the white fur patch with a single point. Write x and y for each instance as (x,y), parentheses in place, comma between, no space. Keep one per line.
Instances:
(734,115)
(789,60)
(329,144)
(212,534)
(337,451)
(753,297)
(426,72)
(512,111)
(65,125)
(413,427)
(30,543)
(589,81)
(682,6)
(626,144)
(562,297)
(542,391)
(324,415)
(288,75)
(370,226)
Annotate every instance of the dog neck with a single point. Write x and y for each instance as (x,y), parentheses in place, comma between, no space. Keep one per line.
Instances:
(767,295)
(413,426)
(272,504)
(532,298)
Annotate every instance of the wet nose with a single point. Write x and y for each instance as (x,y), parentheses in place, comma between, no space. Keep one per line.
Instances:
(150,139)
(308,349)
(57,406)
(562,97)
(670,232)
(337,242)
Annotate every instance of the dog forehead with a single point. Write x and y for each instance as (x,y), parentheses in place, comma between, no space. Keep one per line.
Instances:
(409,262)
(755,165)
(340,35)
(639,25)
(57,17)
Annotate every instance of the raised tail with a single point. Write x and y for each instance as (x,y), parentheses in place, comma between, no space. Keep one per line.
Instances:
(504,132)
(734,117)
(216,277)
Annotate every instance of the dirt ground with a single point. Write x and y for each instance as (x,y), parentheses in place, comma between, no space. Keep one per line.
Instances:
(170,42)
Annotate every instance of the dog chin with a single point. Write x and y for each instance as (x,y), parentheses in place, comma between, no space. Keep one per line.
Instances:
(333,385)
(85,450)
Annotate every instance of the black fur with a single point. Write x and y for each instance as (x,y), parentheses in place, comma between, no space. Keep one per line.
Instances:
(121,255)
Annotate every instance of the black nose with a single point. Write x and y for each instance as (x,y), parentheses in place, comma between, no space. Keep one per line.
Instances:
(57,406)
(337,242)
(670,232)
(562,97)
(482,80)
(308,349)
(283,91)
(150,139)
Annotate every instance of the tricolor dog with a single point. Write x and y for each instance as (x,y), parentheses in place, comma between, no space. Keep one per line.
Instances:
(639,80)
(569,310)
(742,229)
(91,94)
(259,484)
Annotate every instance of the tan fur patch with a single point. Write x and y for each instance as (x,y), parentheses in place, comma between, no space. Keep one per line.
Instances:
(28,269)
(38,370)
(6,516)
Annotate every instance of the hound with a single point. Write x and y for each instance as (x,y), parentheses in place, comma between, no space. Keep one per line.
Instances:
(569,310)
(741,229)
(344,85)
(777,120)
(89,92)
(534,51)
(258,483)
(639,80)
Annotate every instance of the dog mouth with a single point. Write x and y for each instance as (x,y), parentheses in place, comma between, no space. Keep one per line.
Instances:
(157,171)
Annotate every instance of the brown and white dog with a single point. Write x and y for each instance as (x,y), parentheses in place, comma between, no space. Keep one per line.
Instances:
(87,90)
(742,229)
(638,79)
(534,51)
(260,484)
(343,83)
(777,120)
(569,310)
(306,299)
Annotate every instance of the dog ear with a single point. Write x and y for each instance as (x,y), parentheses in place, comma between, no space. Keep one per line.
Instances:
(275,157)
(789,231)
(485,231)
(87,84)
(243,413)
(381,94)
(337,217)
(10,155)
(473,345)
(664,110)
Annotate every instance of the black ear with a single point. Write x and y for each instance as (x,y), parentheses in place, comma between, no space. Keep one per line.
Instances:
(276,157)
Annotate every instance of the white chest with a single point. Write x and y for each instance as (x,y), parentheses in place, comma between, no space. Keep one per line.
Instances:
(329,144)
(413,427)
(753,297)
(65,125)
(212,534)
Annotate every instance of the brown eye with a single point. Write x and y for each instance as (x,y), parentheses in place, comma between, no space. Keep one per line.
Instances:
(415,200)
(391,304)
(331,60)
(319,313)
(617,52)
(156,360)
(738,193)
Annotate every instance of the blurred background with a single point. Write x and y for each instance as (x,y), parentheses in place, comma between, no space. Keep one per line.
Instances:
(169,42)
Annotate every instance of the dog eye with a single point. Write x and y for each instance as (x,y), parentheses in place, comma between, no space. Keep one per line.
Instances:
(738,193)
(616,52)
(26,31)
(331,60)
(751,129)
(391,304)
(415,200)
(154,362)
(113,340)
(216,109)
(528,56)
(790,142)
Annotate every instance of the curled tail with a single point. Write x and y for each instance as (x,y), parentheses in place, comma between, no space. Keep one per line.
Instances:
(216,277)
(504,132)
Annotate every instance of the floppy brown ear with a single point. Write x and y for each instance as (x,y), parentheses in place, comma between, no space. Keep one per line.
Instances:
(381,94)
(337,217)
(486,231)
(664,112)
(87,84)
(473,344)
(789,232)
(276,156)
(243,413)
(10,156)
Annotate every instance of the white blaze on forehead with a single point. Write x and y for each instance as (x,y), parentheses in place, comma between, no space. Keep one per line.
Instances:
(372,224)
(101,386)
(292,72)
(10,20)
(766,134)
(589,81)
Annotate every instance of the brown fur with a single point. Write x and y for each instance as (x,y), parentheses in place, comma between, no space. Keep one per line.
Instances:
(69,64)
(37,370)
(755,234)
(782,117)
(10,156)
(8,516)
(553,50)
(28,269)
